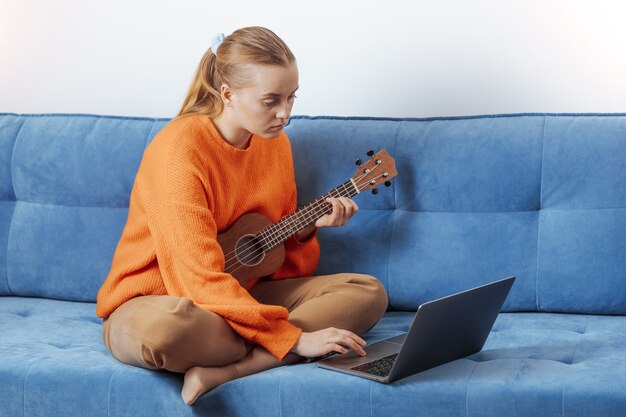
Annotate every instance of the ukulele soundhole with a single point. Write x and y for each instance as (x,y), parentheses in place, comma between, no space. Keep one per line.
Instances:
(249,251)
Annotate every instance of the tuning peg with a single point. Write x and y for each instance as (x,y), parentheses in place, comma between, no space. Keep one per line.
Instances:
(370,153)
(387,183)
(358,162)
(374,191)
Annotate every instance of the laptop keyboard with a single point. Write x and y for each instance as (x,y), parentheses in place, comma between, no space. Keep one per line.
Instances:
(379,367)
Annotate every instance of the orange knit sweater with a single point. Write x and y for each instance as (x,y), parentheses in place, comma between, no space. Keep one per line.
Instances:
(190,186)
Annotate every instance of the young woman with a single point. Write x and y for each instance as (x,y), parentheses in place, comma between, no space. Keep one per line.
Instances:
(167,302)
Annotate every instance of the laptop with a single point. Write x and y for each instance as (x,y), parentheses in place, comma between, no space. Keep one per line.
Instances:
(443,330)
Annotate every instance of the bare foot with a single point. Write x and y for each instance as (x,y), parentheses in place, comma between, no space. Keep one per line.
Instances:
(200,380)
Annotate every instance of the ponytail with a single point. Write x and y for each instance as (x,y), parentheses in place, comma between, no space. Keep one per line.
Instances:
(203,96)
(252,45)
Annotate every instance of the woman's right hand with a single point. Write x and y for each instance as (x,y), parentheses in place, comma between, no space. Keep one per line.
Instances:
(328,340)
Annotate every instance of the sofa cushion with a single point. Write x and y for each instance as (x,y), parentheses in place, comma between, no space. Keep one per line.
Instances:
(53,362)
(10,125)
(64,200)
(582,249)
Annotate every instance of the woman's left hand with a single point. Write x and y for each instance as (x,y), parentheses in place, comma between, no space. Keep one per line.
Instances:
(343,209)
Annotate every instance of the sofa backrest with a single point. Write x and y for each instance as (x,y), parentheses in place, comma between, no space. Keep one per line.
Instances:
(538,196)
(541,197)
(65,183)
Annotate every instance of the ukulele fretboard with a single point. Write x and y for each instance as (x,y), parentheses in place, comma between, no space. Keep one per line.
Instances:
(277,233)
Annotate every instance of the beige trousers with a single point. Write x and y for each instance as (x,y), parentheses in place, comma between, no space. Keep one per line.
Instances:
(172,333)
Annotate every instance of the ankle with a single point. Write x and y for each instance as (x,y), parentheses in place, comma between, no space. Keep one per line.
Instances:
(231,371)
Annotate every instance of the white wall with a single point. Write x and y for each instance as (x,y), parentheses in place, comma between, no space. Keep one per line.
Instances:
(356,57)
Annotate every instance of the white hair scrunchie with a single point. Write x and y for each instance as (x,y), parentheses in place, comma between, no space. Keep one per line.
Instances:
(216,42)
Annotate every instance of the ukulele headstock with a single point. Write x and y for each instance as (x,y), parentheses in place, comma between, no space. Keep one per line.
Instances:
(379,169)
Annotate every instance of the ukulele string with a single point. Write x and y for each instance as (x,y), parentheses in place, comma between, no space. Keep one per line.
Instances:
(319,210)
(293,218)
(274,235)
(269,233)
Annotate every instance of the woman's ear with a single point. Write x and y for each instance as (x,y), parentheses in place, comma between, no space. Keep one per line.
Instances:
(226,94)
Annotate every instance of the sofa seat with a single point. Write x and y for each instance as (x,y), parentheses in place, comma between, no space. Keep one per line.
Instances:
(53,363)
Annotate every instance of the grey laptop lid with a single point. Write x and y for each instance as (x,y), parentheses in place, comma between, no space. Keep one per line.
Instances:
(450,328)
(443,330)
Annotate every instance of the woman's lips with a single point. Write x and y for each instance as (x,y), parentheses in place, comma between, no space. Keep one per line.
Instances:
(277,127)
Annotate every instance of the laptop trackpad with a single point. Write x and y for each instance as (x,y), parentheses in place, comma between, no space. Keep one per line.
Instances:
(375,351)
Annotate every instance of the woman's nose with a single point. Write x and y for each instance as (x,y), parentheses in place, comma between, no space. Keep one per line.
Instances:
(283,111)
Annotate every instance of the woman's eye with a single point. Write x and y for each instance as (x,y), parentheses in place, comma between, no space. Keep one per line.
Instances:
(272,103)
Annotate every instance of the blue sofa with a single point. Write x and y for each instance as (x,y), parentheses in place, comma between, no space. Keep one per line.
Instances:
(538,196)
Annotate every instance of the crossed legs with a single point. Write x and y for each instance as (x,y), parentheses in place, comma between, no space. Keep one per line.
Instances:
(172,333)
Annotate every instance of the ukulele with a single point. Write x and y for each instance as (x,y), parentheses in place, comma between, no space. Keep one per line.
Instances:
(253,246)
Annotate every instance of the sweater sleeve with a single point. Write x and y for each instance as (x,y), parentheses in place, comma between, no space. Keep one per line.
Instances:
(191,261)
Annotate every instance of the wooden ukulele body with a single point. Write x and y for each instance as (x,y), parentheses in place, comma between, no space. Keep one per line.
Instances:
(244,256)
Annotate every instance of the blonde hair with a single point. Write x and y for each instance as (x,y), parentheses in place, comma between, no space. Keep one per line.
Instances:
(230,65)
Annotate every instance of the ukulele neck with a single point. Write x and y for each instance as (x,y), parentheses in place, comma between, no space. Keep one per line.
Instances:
(277,233)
